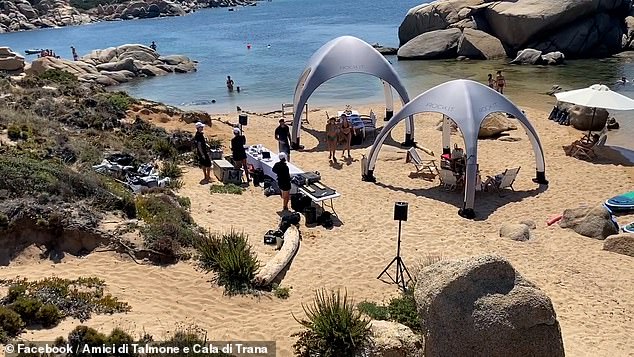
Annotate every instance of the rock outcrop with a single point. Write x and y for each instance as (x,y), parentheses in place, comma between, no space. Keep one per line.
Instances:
(494,125)
(432,45)
(116,65)
(394,340)
(516,231)
(478,44)
(17,15)
(585,118)
(482,307)
(10,61)
(575,28)
(620,243)
(594,222)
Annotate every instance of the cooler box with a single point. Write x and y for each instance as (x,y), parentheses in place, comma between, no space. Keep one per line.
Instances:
(226,173)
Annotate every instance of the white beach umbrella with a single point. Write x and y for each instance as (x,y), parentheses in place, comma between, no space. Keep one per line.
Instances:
(596,96)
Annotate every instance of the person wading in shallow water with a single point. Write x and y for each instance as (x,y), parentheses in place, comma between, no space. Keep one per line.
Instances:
(229,84)
(203,152)
(500,82)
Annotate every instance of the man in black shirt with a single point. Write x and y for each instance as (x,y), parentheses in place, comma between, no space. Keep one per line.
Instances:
(283,179)
(238,152)
(283,136)
(203,152)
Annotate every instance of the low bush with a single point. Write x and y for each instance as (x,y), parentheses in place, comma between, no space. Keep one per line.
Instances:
(281,292)
(10,322)
(333,327)
(226,188)
(48,315)
(58,76)
(401,309)
(85,336)
(230,256)
(171,169)
(27,308)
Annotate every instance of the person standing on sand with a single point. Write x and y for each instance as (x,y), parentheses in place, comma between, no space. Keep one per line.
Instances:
(239,153)
(75,56)
(203,152)
(346,131)
(229,84)
(500,82)
(282,135)
(332,134)
(491,81)
(283,179)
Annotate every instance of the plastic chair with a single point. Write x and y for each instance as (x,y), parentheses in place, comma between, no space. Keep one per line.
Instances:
(422,166)
(503,181)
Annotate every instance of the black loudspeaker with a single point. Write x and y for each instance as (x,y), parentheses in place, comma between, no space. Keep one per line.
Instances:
(400,211)
(242,119)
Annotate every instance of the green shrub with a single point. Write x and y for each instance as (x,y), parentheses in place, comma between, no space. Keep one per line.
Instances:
(171,169)
(58,76)
(118,101)
(48,315)
(117,338)
(403,310)
(227,188)
(281,292)
(164,149)
(27,308)
(374,310)
(208,246)
(10,322)
(333,327)
(237,263)
(85,336)
(15,292)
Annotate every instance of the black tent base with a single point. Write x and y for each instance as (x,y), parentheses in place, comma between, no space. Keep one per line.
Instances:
(467,213)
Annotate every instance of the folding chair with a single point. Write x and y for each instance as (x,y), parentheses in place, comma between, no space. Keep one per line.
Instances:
(448,180)
(422,166)
(369,123)
(503,181)
(580,150)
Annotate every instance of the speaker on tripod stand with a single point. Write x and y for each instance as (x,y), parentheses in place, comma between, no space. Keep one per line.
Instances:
(400,215)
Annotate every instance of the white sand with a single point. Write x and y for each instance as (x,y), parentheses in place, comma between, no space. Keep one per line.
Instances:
(592,290)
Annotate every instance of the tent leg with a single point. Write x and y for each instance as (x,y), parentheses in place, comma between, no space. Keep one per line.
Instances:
(296,145)
(540,178)
(388,114)
(467,213)
(369,176)
(409,142)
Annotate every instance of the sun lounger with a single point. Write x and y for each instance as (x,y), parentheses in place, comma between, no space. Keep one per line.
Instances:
(422,166)
(502,181)
(584,149)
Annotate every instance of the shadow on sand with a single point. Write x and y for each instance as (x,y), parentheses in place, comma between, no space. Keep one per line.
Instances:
(485,202)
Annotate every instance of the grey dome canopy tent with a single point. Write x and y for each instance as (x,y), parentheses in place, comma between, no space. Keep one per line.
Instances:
(346,54)
(467,103)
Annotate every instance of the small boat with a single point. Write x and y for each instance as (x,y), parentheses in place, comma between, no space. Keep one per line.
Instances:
(32,52)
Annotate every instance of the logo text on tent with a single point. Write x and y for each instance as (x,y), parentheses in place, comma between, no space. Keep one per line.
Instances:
(439,106)
(487,108)
(352,66)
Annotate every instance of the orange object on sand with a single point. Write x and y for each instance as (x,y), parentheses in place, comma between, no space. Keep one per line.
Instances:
(554,220)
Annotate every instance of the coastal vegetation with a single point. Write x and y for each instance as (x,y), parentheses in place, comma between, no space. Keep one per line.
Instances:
(228,188)
(332,327)
(231,258)
(48,301)
(401,309)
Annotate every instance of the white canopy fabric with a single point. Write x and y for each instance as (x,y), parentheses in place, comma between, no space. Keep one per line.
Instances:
(339,56)
(468,103)
(597,96)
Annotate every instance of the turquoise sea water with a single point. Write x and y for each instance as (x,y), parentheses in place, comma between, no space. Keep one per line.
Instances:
(294,29)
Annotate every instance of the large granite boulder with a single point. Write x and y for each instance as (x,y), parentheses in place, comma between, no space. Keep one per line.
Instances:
(122,65)
(481,307)
(437,15)
(392,339)
(585,118)
(494,125)
(478,44)
(620,243)
(76,68)
(431,45)
(174,60)
(152,71)
(517,22)
(553,58)
(10,61)
(594,222)
(597,36)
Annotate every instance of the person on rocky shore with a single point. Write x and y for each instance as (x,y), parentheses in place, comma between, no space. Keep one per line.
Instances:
(153,46)
(203,153)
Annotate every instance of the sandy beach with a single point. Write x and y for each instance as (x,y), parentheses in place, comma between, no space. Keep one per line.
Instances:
(592,290)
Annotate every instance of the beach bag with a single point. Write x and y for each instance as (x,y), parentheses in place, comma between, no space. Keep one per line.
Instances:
(292,218)
(325,219)
(272,236)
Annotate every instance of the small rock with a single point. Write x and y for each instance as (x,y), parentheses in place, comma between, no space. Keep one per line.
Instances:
(620,243)
(395,340)
(517,232)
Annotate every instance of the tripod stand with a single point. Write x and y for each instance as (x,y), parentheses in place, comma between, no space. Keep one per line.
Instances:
(401,269)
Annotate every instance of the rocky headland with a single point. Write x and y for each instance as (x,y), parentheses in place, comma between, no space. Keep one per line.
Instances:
(536,31)
(110,66)
(21,15)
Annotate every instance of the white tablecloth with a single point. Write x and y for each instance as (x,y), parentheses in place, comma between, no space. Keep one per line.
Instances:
(254,158)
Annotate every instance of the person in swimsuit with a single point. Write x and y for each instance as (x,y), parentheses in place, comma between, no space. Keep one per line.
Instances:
(491,81)
(500,81)
(332,132)
(346,131)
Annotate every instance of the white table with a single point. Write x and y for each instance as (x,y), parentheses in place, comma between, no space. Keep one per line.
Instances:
(254,158)
(322,199)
